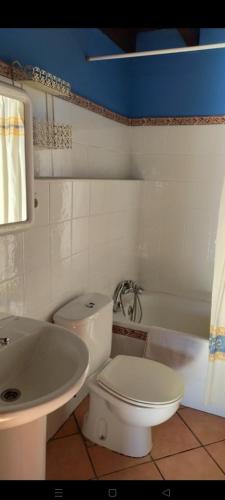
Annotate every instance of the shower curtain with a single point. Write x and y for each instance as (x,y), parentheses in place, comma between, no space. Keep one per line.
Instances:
(215,391)
(12,161)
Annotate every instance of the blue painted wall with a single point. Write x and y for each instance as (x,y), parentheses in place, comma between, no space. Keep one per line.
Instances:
(168,85)
(62,52)
(179,84)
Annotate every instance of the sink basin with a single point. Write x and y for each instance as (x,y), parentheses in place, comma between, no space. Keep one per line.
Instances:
(45,363)
(41,368)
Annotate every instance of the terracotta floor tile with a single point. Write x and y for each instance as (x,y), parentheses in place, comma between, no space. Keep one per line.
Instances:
(67,459)
(106,461)
(208,428)
(70,427)
(172,437)
(139,472)
(194,464)
(217,450)
(81,410)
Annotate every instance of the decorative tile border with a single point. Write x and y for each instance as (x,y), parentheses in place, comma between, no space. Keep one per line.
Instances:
(13,73)
(178,120)
(129,332)
(5,70)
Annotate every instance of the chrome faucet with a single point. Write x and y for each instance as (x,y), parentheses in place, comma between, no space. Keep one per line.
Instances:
(4,340)
(123,288)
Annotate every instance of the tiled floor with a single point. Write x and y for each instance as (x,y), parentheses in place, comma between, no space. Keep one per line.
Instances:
(191,445)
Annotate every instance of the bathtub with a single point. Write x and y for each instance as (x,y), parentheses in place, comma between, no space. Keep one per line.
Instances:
(179,332)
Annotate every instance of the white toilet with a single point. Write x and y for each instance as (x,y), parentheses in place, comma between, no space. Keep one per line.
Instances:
(128,394)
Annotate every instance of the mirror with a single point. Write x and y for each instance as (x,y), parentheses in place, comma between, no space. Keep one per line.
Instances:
(16,159)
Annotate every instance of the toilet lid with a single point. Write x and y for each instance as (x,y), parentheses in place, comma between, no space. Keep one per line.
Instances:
(141,380)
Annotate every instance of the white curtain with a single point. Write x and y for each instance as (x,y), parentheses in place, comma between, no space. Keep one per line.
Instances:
(215,392)
(13,206)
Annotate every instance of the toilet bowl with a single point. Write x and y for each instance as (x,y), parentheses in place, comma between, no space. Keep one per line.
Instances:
(128,394)
(128,397)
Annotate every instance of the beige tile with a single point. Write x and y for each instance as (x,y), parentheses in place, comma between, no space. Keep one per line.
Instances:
(139,472)
(172,437)
(194,464)
(217,450)
(67,459)
(208,428)
(106,461)
(70,427)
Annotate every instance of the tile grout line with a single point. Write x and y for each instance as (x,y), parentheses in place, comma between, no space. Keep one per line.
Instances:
(130,467)
(196,437)
(86,447)
(150,457)
(214,460)
(203,445)
(157,467)
(178,453)
(150,460)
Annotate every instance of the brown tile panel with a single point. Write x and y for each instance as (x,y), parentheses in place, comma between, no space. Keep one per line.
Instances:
(217,451)
(194,464)
(129,332)
(106,461)
(6,71)
(208,428)
(146,471)
(172,437)
(67,458)
(70,427)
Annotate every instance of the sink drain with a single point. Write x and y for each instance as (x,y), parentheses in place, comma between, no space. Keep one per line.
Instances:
(10,395)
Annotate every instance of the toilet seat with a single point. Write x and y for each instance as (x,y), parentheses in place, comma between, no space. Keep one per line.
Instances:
(140,381)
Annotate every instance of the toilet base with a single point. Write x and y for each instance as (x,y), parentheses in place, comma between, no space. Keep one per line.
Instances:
(103,427)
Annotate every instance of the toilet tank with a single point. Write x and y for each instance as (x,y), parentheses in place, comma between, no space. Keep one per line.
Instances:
(90,316)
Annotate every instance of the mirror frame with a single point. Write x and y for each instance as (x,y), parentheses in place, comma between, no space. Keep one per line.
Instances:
(19,94)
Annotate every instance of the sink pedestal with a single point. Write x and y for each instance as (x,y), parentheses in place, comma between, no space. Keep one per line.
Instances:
(23,451)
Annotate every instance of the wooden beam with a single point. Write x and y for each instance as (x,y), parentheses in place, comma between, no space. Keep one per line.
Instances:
(125,38)
(191,37)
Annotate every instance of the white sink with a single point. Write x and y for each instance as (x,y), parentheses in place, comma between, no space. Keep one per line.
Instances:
(47,365)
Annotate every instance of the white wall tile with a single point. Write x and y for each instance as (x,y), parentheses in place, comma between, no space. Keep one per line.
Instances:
(60,281)
(38,100)
(60,241)
(79,273)
(11,256)
(98,198)
(41,194)
(43,162)
(62,111)
(60,201)
(80,234)
(62,162)
(80,124)
(12,296)
(36,248)
(179,205)
(37,290)
(79,160)
(81,198)
(99,229)
(50,274)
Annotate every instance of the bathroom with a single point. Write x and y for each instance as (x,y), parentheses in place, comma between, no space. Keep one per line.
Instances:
(132,192)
